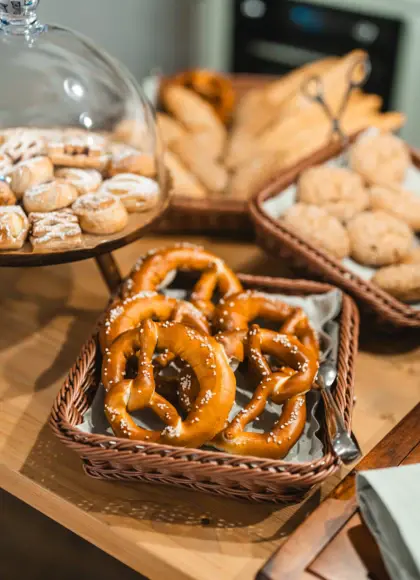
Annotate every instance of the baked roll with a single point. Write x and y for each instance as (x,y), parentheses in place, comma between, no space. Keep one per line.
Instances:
(100,213)
(50,196)
(7,197)
(84,180)
(30,173)
(54,231)
(14,227)
(137,193)
(126,159)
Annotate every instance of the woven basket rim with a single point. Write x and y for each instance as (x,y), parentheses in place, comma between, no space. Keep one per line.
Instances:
(387,306)
(83,442)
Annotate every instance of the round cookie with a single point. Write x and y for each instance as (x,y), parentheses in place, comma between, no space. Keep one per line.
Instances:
(319,228)
(382,158)
(379,239)
(399,202)
(402,281)
(413,257)
(340,191)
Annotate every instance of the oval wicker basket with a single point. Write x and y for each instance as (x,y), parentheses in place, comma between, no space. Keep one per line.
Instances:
(304,257)
(250,478)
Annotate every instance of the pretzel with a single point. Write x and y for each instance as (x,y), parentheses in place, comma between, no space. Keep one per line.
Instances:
(213,88)
(129,313)
(152,271)
(204,354)
(236,312)
(286,386)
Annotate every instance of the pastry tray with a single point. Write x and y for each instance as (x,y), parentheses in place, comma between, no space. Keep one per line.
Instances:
(304,257)
(241,477)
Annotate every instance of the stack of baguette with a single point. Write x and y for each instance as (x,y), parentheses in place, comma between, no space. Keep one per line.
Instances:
(273,128)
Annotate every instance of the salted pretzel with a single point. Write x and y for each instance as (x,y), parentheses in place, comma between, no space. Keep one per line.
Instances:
(127,314)
(236,312)
(123,395)
(286,386)
(152,271)
(216,89)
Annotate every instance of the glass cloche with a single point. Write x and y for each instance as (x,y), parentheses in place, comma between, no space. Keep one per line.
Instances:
(63,98)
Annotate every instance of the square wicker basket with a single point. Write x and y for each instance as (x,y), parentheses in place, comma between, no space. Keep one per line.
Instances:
(305,257)
(234,476)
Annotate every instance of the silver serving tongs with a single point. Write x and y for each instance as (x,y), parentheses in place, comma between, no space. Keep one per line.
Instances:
(313,89)
(343,444)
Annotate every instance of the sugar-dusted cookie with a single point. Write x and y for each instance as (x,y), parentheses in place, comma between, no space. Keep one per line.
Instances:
(137,193)
(184,183)
(319,228)
(14,227)
(100,213)
(340,191)
(30,173)
(126,159)
(51,196)
(401,281)
(84,180)
(23,144)
(195,114)
(55,231)
(82,150)
(399,202)
(381,158)
(6,165)
(7,197)
(379,239)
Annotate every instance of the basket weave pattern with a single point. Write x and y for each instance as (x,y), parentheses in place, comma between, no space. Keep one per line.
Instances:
(250,478)
(281,242)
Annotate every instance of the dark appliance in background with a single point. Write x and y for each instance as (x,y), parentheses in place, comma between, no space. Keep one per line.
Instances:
(277,36)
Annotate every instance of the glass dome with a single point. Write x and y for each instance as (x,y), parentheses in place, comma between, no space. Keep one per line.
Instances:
(57,82)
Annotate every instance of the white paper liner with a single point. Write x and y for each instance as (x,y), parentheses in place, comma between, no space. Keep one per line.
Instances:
(322,311)
(276,206)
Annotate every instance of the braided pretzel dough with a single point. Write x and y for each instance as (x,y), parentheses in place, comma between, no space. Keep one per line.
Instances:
(239,310)
(207,358)
(129,313)
(154,269)
(287,386)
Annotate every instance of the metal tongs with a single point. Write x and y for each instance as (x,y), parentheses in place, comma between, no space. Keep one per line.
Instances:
(313,89)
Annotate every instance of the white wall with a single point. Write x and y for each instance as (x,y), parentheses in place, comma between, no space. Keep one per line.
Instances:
(143,34)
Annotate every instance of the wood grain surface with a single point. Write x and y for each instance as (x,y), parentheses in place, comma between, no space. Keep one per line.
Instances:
(334,543)
(46,315)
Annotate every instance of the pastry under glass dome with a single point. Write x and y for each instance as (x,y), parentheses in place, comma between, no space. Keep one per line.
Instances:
(54,78)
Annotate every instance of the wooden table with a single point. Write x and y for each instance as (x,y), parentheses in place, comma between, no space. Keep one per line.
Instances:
(46,315)
(334,543)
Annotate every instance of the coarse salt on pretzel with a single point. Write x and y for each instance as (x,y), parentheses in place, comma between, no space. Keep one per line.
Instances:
(239,310)
(132,311)
(286,386)
(151,272)
(209,362)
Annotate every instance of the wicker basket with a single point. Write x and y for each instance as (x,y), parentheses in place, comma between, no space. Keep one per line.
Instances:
(303,256)
(218,473)
(215,215)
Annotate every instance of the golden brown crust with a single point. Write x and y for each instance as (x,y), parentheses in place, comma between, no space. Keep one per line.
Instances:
(401,281)
(30,173)
(51,196)
(14,227)
(100,214)
(215,377)
(55,231)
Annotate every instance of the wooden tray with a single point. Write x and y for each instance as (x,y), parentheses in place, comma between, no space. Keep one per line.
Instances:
(303,256)
(215,215)
(222,474)
(333,543)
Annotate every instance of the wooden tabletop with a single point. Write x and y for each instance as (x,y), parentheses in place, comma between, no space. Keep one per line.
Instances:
(46,315)
(334,543)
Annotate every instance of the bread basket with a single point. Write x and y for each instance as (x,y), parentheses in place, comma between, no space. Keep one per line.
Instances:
(225,475)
